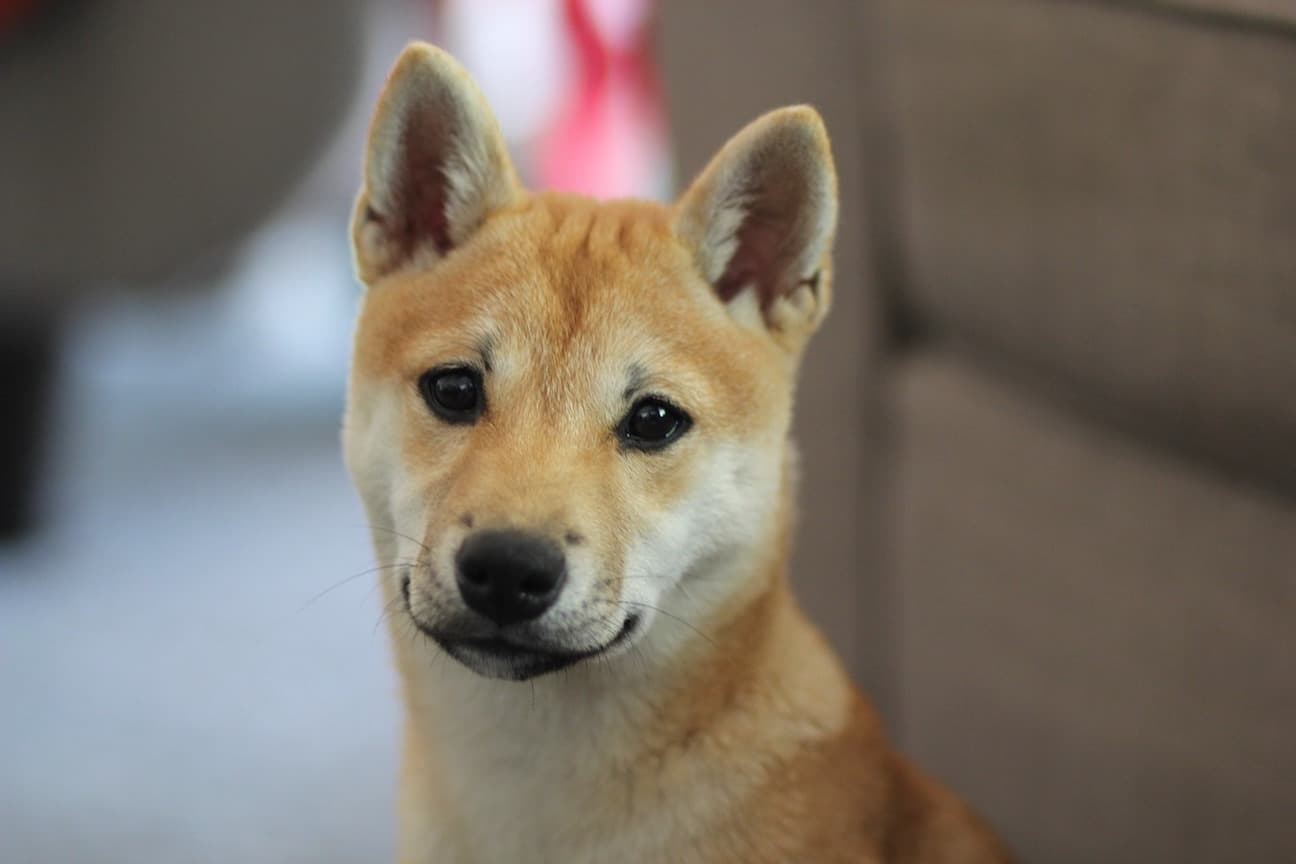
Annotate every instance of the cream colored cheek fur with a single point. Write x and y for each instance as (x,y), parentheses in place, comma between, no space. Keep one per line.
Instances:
(395,506)
(686,562)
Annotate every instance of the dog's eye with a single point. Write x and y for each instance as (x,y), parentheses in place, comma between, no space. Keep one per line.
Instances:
(652,423)
(454,394)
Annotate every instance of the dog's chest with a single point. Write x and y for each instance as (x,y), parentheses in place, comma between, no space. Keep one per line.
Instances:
(559,801)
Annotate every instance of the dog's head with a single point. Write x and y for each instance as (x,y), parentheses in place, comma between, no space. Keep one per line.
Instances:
(568,419)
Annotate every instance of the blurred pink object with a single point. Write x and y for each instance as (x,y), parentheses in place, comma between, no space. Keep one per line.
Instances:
(608,138)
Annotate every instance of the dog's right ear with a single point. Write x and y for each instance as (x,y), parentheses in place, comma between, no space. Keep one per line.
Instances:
(435,167)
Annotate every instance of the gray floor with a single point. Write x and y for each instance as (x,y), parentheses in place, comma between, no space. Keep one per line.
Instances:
(168,692)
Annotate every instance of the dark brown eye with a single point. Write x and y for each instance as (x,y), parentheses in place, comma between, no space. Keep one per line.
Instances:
(454,394)
(652,424)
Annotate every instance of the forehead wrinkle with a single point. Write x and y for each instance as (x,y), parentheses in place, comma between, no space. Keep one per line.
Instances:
(486,349)
(636,379)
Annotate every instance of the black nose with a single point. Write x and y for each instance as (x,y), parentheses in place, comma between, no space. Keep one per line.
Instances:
(510,576)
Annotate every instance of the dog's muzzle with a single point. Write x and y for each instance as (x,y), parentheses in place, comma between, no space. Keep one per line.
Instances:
(508,579)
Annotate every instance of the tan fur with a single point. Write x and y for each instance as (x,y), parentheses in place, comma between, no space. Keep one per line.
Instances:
(725,730)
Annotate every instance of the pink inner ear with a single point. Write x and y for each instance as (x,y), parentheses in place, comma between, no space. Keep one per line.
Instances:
(413,211)
(758,261)
(423,195)
(428,222)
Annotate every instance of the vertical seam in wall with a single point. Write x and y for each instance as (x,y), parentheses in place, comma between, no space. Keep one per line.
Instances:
(883,180)
(893,326)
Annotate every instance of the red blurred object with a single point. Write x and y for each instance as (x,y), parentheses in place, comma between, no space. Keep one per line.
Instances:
(609,138)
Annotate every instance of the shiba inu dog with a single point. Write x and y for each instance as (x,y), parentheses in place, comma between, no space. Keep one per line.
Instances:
(569,424)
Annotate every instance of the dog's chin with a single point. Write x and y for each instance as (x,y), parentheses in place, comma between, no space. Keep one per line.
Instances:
(507,660)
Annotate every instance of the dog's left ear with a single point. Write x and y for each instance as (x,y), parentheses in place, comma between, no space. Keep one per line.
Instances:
(435,167)
(760,218)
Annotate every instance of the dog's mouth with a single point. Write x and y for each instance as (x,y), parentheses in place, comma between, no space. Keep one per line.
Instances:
(498,656)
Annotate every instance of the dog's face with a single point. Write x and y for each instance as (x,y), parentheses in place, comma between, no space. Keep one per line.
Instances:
(567,419)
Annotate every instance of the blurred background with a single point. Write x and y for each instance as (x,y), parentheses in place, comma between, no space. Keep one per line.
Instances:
(1049,430)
